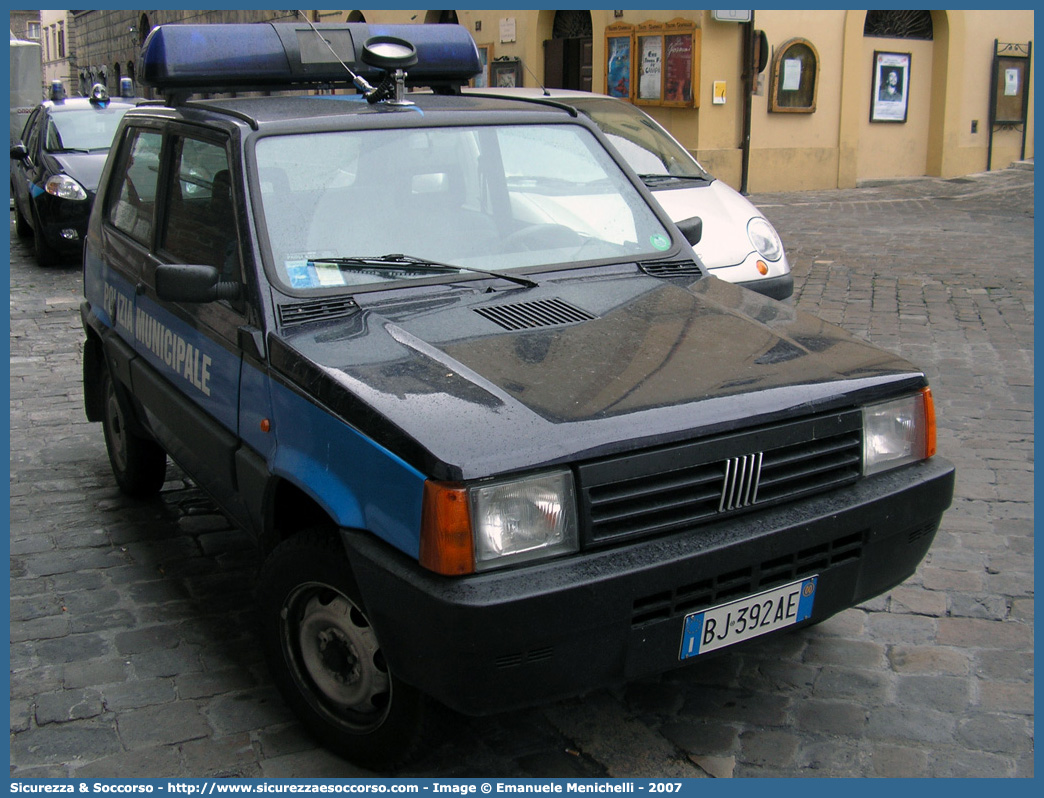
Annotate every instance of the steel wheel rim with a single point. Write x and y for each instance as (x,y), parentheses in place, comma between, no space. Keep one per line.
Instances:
(335,658)
(117,431)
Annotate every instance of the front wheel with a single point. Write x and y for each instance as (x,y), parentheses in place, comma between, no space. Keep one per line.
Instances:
(46,255)
(139,464)
(326,658)
(22,227)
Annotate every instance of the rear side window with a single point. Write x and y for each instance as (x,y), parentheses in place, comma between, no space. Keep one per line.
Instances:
(200,220)
(134,194)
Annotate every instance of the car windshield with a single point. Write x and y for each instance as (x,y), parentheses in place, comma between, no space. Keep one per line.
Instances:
(87,129)
(494,197)
(647,147)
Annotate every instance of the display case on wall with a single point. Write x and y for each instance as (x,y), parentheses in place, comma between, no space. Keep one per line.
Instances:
(655,63)
(795,78)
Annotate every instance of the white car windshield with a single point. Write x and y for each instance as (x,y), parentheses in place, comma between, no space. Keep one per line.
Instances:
(647,147)
(338,205)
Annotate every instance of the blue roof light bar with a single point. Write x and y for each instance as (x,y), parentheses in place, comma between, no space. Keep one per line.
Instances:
(274,55)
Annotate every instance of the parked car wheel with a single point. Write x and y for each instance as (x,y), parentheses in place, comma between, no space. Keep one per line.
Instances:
(22,227)
(139,465)
(326,658)
(46,255)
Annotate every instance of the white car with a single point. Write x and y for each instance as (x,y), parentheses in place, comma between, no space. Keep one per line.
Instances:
(738,243)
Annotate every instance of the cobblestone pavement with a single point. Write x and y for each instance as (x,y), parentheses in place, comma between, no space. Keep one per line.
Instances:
(131,623)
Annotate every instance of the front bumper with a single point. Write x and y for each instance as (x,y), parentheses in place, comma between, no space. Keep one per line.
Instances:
(502,640)
(55,215)
(781,287)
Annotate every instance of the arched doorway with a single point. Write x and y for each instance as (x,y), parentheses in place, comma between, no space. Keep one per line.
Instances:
(568,53)
(440,17)
(930,43)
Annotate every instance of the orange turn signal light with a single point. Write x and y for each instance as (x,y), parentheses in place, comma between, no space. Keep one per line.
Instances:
(929,422)
(446,543)
(762,267)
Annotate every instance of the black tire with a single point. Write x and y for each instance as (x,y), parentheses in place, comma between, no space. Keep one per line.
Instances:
(326,660)
(46,255)
(22,227)
(139,465)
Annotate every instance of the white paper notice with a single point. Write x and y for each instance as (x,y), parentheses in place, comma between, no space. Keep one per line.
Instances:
(1011,82)
(791,74)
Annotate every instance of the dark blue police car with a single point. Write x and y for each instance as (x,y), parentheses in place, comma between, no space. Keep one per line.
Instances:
(56,165)
(499,435)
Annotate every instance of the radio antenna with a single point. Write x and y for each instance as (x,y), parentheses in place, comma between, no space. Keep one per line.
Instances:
(535,78)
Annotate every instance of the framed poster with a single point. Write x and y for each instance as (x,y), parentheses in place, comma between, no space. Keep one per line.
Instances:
(481,80)
(795,78)
(679,65)
(890,91)
(506,73)
(650,68)
(618,60)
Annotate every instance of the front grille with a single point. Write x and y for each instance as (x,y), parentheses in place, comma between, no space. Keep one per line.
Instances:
(745,581)
(680,487)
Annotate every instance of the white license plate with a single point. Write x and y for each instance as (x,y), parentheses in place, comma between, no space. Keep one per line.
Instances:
(748,617)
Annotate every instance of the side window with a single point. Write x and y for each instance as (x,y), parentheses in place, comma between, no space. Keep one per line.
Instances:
(134,193)
(200,219)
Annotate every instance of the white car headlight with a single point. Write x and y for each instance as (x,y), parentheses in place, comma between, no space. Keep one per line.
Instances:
(523,519)
(764,238)
(65,187)
(898,432)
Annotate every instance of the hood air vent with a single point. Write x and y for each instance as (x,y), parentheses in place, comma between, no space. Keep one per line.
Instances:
(528,315)
(671,268)
(317,310)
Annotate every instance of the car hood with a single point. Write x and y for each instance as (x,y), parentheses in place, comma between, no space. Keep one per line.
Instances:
(84,167)
(441,382)
(725,214)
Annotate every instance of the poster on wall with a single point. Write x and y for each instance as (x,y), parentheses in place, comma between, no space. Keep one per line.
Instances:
(891,87)
(678,69)
(618,78)
(651,78)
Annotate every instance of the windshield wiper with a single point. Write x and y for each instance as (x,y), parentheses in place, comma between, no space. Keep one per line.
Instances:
(398,260)
(659,178)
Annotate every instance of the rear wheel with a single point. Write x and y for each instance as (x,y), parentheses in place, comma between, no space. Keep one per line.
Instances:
(326,658)
(139,465)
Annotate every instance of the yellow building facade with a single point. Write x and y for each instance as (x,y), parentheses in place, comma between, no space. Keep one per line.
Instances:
(817,118)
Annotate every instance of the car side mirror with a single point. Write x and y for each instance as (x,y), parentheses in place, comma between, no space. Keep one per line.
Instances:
(177,282)
(692,229)
(19,152)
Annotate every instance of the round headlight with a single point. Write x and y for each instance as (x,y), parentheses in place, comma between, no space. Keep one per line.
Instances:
(764,238)
(65,187)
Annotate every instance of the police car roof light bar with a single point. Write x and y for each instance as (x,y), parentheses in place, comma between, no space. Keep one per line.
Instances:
(225,57)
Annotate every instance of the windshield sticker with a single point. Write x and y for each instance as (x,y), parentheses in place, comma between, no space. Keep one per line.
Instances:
(301,274)
(660,241)
(329,274)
